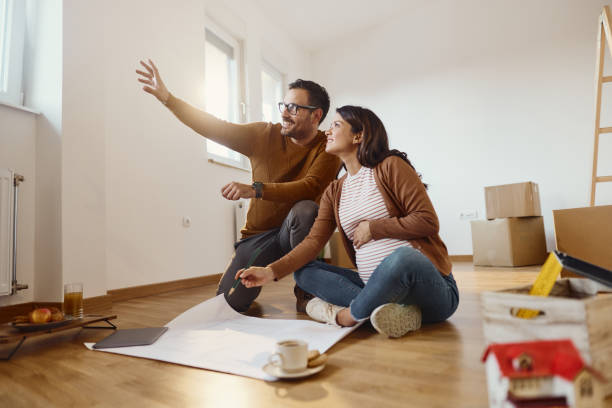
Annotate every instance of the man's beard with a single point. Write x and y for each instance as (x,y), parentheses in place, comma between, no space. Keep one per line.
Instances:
(293,132)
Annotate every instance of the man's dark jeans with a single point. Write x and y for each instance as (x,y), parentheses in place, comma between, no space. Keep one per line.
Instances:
(276,244)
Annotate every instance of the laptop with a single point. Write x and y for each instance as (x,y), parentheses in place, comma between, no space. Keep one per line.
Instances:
(131,337)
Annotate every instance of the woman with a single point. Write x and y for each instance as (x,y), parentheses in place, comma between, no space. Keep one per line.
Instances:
(390,230)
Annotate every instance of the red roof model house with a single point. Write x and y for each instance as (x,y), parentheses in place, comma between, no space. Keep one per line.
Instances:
(541,374)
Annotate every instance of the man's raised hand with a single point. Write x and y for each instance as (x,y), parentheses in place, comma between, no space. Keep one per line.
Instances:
(153,82)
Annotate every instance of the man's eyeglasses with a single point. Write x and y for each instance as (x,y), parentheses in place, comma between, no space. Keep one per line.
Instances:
(293,107)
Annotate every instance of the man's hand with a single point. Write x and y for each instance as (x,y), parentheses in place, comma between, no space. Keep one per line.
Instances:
(236,191)
(362,234)
(255,276)
(153,82)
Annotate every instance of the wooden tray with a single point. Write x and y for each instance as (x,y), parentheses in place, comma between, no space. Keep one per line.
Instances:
(31,327)
(10,334)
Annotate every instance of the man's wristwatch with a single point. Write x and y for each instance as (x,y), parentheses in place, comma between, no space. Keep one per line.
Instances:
(258,186)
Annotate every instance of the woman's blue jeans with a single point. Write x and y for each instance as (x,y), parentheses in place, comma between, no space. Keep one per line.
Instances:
(406,277)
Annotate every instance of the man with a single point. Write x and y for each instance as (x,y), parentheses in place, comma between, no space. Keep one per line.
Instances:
(290,171)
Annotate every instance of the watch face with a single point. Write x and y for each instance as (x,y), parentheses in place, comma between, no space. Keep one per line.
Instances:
(258,189)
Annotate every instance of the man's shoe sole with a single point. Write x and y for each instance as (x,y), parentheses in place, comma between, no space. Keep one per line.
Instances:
(301,298)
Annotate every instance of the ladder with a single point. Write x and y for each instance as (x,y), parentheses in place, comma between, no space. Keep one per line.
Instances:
(604,37)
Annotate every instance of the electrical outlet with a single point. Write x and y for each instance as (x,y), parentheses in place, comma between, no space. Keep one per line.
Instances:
(186,222)
(468,215)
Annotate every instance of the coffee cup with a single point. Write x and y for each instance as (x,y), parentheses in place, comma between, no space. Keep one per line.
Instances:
(291,356)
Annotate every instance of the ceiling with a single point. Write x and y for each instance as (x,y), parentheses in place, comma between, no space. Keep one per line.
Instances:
(315,24)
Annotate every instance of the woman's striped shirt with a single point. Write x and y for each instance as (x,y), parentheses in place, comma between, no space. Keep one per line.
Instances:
(360,200)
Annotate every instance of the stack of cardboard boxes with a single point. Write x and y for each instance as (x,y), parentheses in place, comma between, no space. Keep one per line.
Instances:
(513,233)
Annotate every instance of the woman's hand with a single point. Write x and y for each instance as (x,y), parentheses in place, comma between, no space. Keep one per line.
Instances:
(153,82)
(255,276)
(362,234)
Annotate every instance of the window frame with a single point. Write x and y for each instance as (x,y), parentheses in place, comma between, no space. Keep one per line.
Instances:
(238,90)
(276,73)
(12,47)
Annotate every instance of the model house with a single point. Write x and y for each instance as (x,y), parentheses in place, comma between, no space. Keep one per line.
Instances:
(541,373)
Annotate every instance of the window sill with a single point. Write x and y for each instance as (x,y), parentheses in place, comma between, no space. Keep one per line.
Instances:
(227,163)
(21,108)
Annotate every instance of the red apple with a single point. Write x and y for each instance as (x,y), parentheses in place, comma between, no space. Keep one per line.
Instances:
(41,315)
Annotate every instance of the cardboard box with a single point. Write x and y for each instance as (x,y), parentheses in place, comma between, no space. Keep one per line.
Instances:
(339,257)
(569,312)
(509,241)
(585,233)
(513,200)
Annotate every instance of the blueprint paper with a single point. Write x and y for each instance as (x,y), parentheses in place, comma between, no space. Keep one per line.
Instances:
(214,336)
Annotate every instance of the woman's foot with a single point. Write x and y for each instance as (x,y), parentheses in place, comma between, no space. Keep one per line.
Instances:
(321,311)
(395,320)
(345,319)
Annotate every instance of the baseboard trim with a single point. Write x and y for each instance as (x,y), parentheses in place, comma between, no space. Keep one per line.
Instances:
(104,303)
(98,304)
(461,258)
(157,288)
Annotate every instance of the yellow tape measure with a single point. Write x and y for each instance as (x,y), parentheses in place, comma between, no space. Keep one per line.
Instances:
(543,284)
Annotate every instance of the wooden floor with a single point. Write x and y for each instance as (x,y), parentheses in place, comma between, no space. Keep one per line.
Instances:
(438,366)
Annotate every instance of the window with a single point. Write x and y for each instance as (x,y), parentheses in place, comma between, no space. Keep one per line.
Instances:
(12,32)
(271,93)
(223,89)
(4,27)
(586,387)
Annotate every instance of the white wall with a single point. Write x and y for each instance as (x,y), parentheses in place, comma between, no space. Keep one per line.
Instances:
(481,93)
(43,91)
(30,144)
(84,145)
(17,152)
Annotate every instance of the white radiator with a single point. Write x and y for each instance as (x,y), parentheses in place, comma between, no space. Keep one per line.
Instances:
(240,211)
(6,230)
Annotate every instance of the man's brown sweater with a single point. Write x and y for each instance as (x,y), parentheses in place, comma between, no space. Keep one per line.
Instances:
(411,218)
(289,172)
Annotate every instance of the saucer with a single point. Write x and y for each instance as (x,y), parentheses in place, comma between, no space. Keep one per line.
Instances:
(277,372)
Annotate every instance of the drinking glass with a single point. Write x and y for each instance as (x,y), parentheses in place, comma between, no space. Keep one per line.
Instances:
(73,300)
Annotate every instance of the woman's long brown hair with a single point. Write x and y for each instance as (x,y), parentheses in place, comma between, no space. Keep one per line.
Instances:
(374,146)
